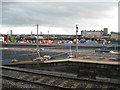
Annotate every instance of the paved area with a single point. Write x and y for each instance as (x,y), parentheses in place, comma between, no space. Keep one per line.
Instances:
(13,53)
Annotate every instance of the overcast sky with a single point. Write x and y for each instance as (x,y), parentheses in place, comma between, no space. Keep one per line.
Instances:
(58,17)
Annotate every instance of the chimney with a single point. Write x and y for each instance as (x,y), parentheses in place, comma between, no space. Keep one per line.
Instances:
(105,32)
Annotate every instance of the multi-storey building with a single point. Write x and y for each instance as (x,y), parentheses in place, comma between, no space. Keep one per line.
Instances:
(115,36)
(97,34)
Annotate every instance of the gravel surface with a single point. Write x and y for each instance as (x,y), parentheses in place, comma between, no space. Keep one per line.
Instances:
(9,54)
(57,81)
(12,84)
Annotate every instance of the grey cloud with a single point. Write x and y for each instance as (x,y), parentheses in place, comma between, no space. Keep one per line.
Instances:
(61,1)
(53,14)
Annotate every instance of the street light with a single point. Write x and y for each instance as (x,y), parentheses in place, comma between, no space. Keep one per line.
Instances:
(76,39)
(48,36)
(37,35)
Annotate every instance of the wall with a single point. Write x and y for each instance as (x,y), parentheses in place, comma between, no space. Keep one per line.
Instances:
(115,36)
(91,34)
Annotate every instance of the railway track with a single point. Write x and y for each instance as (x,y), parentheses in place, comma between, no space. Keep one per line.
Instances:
(53,79)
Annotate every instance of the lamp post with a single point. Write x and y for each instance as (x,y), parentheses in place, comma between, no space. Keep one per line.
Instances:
(7,38)
(48,36)
(76,40)
(101,36)
(37,36)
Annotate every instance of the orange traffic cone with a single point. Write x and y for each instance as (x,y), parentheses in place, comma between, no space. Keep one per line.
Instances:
(105,42)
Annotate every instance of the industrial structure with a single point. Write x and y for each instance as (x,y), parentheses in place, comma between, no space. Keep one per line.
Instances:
(99,34)
(115,36)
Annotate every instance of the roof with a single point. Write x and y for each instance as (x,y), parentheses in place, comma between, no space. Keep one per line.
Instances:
(115,32)
(91,31)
